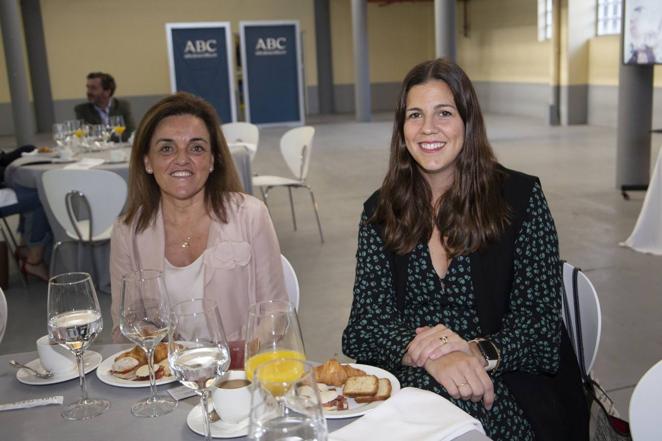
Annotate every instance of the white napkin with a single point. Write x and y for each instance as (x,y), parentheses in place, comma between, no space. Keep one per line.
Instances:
(85,163)
(7,197)
(58,399)
(410,415)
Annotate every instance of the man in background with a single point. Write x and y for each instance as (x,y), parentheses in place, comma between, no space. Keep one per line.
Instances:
(101,105)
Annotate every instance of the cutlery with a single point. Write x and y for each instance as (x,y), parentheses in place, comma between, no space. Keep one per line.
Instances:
(45,375)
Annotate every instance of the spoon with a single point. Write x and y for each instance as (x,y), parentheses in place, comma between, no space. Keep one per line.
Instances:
(45,375)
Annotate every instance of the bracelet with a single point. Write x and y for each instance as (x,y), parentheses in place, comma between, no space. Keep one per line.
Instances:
(490,353)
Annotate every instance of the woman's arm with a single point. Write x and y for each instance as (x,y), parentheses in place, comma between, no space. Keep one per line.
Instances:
(120,264)
(269,282)
(376,330)
(530,337)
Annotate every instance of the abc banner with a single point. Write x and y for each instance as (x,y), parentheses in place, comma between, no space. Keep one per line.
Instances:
(273,84)
(201,63)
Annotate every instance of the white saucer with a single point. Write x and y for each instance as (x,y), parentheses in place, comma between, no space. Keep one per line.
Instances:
(91,359)
(219,429)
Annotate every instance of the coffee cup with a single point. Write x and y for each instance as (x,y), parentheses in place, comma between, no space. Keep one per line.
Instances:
(66,154)
(117,156)
(232,398)
(54,357)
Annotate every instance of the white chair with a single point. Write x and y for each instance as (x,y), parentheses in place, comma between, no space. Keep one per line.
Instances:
(645,407)
(8,207)
(296,146)
(242,132)
(3,314)
(291,282)
(85,203)
(590,317)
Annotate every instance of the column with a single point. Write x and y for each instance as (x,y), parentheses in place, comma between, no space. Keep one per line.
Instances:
(324,57)
(361,61)
(444,29)
(635,111)
(18,86)
(38,63)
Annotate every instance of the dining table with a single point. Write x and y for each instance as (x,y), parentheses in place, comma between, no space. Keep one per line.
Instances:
(27,171)
(117,423)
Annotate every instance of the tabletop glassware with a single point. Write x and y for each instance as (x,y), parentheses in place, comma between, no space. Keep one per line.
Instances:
(118,125)
(145,320)
(197,349)
(59,134)
(285,403)
(74,321)
(272,332)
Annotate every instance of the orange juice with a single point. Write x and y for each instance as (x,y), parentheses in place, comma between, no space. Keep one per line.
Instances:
(119,130)
(280,371)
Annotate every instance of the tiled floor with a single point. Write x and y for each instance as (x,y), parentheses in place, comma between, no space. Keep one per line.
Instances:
(577,168)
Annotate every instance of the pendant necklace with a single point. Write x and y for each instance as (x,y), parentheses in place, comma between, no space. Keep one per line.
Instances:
(186,243)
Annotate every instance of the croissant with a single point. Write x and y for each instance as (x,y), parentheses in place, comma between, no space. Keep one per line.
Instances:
(160,352)
(331,373)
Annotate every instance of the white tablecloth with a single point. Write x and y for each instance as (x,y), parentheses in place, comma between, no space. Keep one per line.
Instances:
(647,234)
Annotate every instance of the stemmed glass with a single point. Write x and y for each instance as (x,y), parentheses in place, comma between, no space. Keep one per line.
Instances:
(197,349)
(74,321)
(272,332)
(285,403)
(145,320)
(59,134)
(117,123)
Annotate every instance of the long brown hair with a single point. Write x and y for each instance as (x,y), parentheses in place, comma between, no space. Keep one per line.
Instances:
(144,194)
(472,212)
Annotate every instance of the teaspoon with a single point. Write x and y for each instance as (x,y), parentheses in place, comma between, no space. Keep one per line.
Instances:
(45,375)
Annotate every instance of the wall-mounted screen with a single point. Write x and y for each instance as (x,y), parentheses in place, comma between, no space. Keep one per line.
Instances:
(642,32)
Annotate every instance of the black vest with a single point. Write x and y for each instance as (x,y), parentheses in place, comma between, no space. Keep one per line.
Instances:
(554,405)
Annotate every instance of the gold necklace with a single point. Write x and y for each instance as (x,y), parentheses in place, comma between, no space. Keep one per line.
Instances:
(186,243)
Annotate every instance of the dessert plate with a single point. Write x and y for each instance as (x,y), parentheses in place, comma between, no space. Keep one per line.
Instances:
(104,374)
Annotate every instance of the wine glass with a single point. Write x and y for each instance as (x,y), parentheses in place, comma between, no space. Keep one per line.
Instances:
(59,134)
(145,320)
(197,349)
(117,123)
(74,321)
(272,332)
(285,403)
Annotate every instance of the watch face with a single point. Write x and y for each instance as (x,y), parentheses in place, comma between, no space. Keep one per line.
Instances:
(488,349)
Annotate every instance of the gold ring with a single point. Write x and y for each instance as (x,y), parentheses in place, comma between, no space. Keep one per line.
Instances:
(443,339)
(463,384)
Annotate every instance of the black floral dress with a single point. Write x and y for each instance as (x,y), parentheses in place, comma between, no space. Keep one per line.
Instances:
(528,340)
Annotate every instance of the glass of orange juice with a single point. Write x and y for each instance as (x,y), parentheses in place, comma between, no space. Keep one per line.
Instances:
(272,333)
(285,402)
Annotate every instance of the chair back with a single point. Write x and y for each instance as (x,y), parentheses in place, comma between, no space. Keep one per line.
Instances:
(296,146)
(291,282)
(645,408)
(242,132)
(590,316)
(3,314)
(103,191)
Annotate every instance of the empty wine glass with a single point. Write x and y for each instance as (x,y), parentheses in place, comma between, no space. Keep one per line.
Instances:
(59,134)
(272,332)
(285,403)
(74,321)
(145,320)
(197,349)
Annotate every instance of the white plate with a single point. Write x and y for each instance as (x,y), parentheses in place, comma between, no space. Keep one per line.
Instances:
(91,360)
(219,429)
(103,372)
(357,409)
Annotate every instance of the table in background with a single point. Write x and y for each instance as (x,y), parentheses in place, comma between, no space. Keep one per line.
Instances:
(27,171)
(116,423)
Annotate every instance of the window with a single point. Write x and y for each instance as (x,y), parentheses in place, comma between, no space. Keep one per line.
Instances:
(609,17)
(545,20)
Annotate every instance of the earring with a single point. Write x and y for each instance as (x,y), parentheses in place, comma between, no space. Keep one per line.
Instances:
(149,171)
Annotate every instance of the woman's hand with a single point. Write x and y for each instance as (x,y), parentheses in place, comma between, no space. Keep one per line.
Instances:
(463,376)
(432,343)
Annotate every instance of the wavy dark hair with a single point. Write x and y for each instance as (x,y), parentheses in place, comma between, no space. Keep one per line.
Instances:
(144,194)
(472,212)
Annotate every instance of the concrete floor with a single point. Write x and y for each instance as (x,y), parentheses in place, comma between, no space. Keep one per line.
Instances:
(577,168)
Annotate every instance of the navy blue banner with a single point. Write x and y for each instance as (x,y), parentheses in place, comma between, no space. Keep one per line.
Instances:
(272,72)
(200,64)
